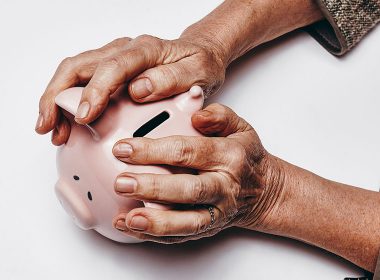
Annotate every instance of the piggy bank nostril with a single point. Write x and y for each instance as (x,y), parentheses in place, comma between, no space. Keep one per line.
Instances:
(76,178)
(74,203)
(89,196)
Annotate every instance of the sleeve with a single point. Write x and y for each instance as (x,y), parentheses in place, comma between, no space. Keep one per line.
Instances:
(345,24)
(376,275)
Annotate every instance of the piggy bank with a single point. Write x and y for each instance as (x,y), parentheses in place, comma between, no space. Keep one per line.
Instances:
(87,168)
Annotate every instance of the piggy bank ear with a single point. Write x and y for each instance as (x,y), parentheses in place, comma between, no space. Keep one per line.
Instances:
(69,100)
(190,101)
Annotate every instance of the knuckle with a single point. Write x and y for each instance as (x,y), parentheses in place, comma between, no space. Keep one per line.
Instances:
(149,45)
(220,147)
(116,61)
(198,191)
(169,76)
(160,227)
(92,90)
(238,152)
(221,119)
(91,58)
(223,110)
(67,63)
(154,187)
(217,107)
(97,94)
(45,100)
(145,38)
(120,41)
(143,150)
(240,156)
(182,153)
(89,53)
(237,158)
(222,113)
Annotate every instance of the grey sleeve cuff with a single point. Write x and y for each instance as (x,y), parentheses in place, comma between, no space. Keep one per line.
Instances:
(376,275)
(345,24)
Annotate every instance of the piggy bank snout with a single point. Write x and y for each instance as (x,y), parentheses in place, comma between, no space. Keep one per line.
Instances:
(74,205)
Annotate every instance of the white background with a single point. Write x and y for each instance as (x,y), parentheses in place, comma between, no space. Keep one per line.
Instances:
(309,107)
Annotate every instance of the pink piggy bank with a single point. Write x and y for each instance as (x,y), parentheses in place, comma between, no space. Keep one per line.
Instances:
(87,168)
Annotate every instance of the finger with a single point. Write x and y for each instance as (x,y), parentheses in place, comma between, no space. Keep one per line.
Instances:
(66,76)
(169,222)
(165,80)
(72,71)
(219,120)
(61,132)
(185,151)
(115,71)
(174,188)
(120,225)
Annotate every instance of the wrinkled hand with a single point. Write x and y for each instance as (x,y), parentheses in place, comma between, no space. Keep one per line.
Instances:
(154,68)
(236,176)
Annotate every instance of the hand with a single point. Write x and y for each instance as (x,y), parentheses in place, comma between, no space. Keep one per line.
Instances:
(154,68)
(236,176)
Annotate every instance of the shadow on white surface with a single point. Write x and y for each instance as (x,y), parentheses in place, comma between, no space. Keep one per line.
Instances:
(203,255)
(251,63)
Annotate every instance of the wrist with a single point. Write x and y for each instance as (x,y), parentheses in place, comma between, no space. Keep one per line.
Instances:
(237,26)
(197,35)
(283,185)
(221,30)
(274,191)
(280,205)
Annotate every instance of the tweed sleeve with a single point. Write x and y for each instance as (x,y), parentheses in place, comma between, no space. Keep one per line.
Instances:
(345,24)
(377,270)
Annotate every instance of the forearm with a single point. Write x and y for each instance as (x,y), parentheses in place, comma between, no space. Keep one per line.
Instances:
(258,21)
(342,219)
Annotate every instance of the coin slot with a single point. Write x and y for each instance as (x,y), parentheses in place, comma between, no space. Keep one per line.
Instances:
(151,124)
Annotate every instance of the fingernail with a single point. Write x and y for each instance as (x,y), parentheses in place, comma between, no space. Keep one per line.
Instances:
(122,150)
(120,225)
(139,223)
(141,88)
(40,121)
(125,185)
(83,110)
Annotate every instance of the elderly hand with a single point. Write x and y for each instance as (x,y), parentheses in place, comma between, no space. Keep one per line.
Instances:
(154,68)
(237,177)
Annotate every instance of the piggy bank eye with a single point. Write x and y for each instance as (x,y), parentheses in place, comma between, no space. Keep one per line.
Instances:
(76,177)
(151,124)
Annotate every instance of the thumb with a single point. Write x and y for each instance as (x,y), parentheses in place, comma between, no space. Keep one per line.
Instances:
(163,81)
(219,120)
